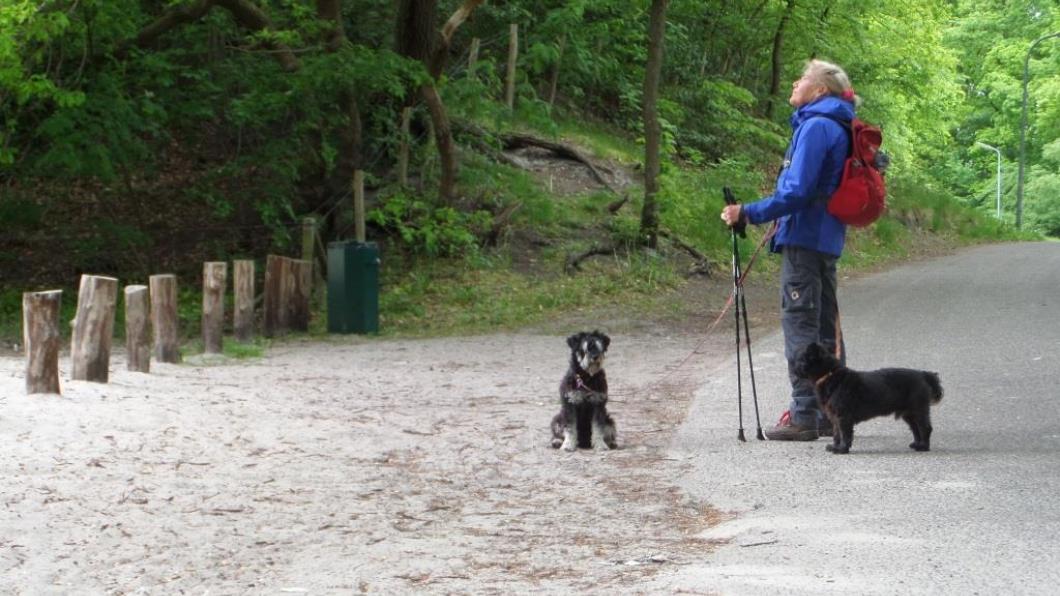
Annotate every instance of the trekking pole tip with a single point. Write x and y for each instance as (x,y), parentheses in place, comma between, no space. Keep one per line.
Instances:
(761,437)
(741,437)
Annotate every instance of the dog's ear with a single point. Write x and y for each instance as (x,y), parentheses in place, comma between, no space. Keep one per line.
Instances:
(574,340)
(605,339)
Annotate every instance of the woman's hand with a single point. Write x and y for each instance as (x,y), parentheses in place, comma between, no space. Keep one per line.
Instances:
(731,214)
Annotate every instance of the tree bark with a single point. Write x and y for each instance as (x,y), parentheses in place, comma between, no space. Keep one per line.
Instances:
(214,276)
(243,283)
(778,48)
(41,338)
(93,328)
(164,321)
(513,56)
(649,219)
(137,330)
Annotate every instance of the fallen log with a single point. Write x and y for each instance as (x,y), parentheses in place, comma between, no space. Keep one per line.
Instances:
(574,261)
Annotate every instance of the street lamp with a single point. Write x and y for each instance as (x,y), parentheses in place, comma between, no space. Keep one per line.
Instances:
(998,151)
(1023,128)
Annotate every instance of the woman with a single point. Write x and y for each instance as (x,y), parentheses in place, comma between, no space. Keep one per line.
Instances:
(808,238)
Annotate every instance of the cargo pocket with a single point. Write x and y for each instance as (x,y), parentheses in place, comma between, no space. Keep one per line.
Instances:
(798,298)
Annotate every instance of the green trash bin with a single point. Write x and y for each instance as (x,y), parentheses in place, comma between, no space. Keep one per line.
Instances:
(353,287)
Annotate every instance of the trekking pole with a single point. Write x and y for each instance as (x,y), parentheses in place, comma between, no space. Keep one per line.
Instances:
(731,200)
(740,306)
(750,362)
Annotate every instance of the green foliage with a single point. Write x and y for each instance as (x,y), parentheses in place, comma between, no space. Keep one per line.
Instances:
(425,228)
(205,119)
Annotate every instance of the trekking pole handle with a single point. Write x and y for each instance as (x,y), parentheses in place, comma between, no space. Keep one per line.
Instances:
(740,227)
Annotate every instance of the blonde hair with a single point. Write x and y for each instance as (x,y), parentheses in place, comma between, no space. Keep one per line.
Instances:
(833,78)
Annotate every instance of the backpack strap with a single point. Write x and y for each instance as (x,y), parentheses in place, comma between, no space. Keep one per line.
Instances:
(848,126)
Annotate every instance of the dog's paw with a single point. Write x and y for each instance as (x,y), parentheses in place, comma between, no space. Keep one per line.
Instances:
(556,442)
(837,449)
(568,445)
(915,446)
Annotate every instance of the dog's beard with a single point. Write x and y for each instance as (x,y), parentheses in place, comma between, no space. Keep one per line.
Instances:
(590,365)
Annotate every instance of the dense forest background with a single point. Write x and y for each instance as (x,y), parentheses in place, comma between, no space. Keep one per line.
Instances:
(141,136)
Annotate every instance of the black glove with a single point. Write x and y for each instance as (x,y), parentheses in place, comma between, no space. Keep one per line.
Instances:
(740,227)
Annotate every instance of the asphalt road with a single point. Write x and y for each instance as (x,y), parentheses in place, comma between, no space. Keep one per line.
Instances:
(979,514)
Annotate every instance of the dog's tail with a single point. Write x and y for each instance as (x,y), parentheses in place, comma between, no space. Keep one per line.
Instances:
(936,387)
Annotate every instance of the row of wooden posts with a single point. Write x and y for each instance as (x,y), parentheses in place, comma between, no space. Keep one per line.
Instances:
(151,321)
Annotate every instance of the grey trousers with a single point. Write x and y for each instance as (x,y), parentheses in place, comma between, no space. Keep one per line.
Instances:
(809,313)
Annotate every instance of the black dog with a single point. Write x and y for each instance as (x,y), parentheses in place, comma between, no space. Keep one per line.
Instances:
(849,396)
(583,420)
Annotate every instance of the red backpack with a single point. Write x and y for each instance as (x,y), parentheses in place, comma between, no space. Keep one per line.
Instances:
(860,198)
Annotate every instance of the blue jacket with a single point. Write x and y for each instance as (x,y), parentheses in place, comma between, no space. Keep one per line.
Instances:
(813,166)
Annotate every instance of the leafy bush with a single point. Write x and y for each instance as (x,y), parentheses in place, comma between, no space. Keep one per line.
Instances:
(424,228)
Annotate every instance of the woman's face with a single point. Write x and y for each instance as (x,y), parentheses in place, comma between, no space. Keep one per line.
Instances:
(804,91)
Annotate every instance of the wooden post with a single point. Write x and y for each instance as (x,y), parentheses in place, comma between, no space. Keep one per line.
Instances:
(310,242)
(297,294)
(309,230)
(472,57)
(214,278)
(137,331)
(243,283)
(286,295)
(403,148)
(41,338)
(93,328)
(273,319)
(164,320)
(358,205)
(513,54)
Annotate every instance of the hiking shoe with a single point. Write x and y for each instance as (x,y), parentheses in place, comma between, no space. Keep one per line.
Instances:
(786,431)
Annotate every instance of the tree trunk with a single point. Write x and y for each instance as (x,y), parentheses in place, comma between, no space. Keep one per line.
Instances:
(137,331)
(403,148)
(513,56)
(649,222)
(164,321)
(214,276)
(554,83)
(243,283)
(416,39)
(41,338)
(443,139)
(472,55)
(778,49)
(93,328)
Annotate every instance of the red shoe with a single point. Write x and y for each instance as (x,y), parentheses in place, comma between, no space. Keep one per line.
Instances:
(786,431)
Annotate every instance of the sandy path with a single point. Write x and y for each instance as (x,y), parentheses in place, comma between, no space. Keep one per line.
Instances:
(380,466)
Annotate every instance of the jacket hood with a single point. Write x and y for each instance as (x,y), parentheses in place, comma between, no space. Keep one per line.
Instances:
(829,105)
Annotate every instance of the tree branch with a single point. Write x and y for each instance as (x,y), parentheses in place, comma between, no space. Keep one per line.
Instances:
(244,12)
(173,18)
(441,50)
